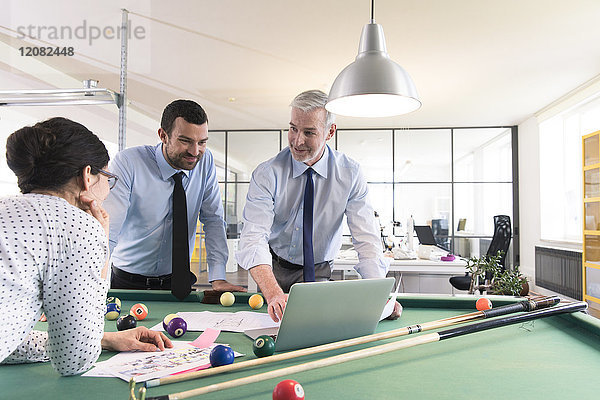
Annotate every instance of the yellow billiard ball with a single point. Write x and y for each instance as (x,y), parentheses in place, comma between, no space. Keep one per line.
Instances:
(256,301)
(227,299)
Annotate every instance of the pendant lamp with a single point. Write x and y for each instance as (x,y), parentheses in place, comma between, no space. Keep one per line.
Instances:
(373,85)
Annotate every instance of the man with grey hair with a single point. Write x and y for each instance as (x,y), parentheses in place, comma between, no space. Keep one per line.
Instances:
(295,206)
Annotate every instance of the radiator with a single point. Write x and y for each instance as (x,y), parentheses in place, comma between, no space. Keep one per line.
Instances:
(559,271)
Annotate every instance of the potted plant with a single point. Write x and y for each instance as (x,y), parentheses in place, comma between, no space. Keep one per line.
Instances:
(483,269)
(488,275)
(510,283)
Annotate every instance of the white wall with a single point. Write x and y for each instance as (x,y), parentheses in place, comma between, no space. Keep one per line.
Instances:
(529,180)
(529,194)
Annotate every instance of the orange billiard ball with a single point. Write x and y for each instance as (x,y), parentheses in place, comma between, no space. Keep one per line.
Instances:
(483,304)
(139,311)
(256,301)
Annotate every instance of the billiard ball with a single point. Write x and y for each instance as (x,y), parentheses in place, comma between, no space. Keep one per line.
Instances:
(177,327)
(483,304)
(113,310)
(113,300)
(126,322)
(288,389)
(139,311)
(167,319)
(227,299)
(221,355)
(256,301)
(263,346)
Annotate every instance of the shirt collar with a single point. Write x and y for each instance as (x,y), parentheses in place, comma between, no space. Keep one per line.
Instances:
(166,171)
(320,167)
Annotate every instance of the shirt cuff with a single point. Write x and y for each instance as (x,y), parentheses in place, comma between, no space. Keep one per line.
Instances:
(253,256)
(33,349)
(216,273)
(373,268)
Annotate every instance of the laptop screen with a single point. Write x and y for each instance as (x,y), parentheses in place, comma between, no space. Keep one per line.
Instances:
(324,312)
(425,235)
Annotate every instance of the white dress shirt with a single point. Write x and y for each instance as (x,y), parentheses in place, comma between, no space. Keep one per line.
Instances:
(51,260)
(274,211)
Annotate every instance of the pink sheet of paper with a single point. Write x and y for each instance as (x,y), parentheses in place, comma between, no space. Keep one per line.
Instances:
(206,339)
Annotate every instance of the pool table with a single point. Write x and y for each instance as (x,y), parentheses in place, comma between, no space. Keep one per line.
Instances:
(554,358)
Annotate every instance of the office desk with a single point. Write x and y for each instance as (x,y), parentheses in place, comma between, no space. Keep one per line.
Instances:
(418,276)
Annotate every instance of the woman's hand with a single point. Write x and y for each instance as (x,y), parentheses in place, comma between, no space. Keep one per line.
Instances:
(140,338)
(92,207)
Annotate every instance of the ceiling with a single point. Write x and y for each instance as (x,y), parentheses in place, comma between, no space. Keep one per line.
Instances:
(474,62)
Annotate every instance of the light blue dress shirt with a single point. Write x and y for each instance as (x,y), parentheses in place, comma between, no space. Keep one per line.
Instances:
(274,211)
(141,216)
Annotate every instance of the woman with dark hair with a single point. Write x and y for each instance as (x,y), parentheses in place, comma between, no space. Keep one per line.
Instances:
(54,251)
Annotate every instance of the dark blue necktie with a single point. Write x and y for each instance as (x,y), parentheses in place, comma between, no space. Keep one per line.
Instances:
(307,229)
(180,269)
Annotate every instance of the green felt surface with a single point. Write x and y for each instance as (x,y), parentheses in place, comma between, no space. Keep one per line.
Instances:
(554,358)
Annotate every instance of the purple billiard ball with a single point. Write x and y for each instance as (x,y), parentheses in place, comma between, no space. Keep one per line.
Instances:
(126,322)
(221,355)
(177,327)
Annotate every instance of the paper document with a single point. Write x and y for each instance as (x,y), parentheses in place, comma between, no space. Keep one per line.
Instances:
(224,321)
(151,365)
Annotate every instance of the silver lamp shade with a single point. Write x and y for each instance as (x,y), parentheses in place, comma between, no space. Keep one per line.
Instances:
(373,85)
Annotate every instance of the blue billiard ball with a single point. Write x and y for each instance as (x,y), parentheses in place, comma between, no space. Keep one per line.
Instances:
(113,311)
(221,355)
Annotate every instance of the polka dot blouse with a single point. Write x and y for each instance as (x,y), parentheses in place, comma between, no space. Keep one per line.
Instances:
(51,258)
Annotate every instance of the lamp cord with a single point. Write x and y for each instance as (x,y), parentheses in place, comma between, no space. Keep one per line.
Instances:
(372,10)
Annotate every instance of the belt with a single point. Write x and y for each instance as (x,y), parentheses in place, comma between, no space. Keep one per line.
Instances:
(285,263)
(288,265)
(149,281)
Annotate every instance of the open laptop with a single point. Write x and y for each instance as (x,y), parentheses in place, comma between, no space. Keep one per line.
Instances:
(324,312)
(425,235)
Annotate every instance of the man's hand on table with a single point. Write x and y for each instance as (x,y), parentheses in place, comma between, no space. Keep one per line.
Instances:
(276,299)
(397,311)
(224,286)
(140,338)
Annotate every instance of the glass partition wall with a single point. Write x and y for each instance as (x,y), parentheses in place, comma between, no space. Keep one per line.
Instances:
(453,179)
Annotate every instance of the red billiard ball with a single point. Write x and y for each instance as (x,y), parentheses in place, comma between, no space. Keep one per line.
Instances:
(288,389)
(483,304)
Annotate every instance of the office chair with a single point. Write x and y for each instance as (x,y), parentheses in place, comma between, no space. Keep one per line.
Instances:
(500,242)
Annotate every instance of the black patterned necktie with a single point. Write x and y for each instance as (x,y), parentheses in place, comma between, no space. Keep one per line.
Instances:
(307,229)
(180,278)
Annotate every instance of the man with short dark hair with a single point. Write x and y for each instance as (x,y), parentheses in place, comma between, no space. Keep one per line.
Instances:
(141,206)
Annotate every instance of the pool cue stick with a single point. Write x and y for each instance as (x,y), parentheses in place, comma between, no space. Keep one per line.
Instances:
(381,349)
(526,305)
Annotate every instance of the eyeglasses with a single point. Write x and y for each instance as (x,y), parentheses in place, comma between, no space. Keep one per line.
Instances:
(112,178)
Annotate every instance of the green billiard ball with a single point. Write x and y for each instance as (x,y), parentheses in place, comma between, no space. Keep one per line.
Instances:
(263,346)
